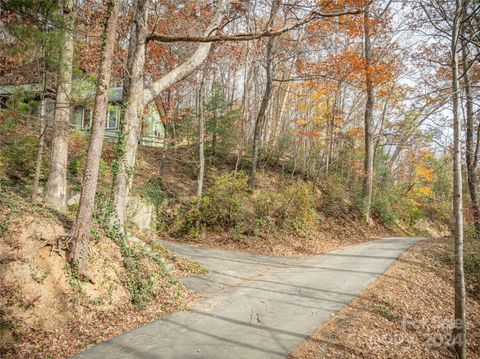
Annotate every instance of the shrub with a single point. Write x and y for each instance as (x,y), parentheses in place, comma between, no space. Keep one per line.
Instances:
(298,207)
(18,157)
(392,204)
(227,204)
(382,207)
(293,207)
(472,266)
(77,154)
(335,194)
(222,205)
(153,190)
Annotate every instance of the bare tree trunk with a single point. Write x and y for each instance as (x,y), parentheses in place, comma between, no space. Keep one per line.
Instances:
(368,164)
(201,136)
(41,141)
(56,188)
(470,151)
(214,133)
(257,134)
(164,118)
(460,331)
(83,222)
(42,123)
(128,141)
(245,110)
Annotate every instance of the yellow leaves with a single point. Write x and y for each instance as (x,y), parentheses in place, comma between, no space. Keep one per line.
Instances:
(355,132)
(422,191)
(424,173)
(301,122)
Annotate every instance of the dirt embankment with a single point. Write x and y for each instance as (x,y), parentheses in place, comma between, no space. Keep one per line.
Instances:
(47,311)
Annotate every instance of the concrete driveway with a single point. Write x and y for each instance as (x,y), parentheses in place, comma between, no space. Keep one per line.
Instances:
(256,306)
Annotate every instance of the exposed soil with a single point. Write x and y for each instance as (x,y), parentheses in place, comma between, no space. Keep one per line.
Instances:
(46,311)
(407,313)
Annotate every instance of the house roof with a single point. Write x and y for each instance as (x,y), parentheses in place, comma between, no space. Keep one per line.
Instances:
(87,94)
(12,89)
(115,94)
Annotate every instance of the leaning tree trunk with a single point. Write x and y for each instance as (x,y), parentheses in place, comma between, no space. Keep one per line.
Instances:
(460,331)
(470,150)
(83,223)
(368,163)
(128,141)
(56,188)
(257,132)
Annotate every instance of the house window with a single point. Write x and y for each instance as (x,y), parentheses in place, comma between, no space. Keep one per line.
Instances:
(113,118)
(76,120)
(117,83)
(3,102)
(86,118)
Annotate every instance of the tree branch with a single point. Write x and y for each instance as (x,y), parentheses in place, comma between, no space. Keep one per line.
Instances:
(253,35)
(191,64)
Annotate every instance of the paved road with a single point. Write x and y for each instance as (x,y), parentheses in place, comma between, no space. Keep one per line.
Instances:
(256,306)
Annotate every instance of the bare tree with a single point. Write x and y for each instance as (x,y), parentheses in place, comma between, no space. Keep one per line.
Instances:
(259,122)
(128,140)
(41,139)
(472,147)
(201,134)
(460,331)
(369,149)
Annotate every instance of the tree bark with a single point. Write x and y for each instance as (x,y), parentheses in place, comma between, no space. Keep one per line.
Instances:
(460,323)
(368,163)
(83,222)
(56,188)
(245,109)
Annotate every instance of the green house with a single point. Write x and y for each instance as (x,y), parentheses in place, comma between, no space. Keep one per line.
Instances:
(151,131)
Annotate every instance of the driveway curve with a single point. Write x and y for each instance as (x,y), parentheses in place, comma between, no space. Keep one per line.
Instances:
(256,306)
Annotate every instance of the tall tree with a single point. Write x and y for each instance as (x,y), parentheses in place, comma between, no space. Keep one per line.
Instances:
(201,134)
(83,222)
(260,120)
(56,188)
(42,126)
(460,331)
(472,147)
(369,148)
